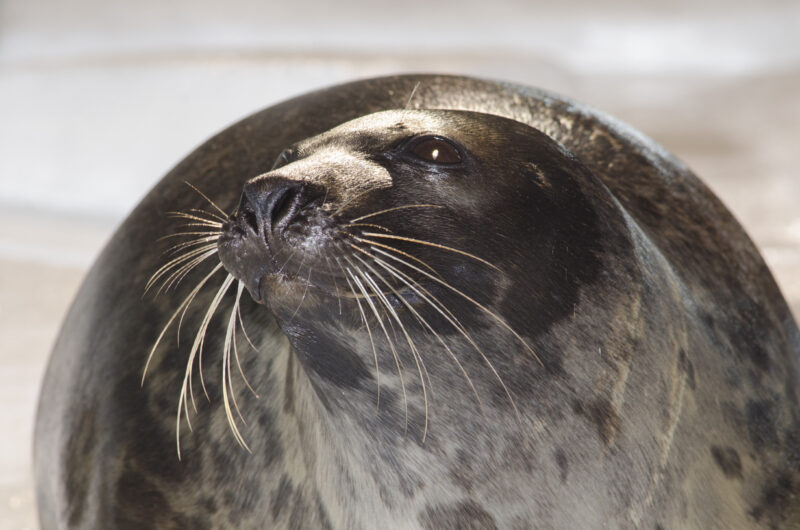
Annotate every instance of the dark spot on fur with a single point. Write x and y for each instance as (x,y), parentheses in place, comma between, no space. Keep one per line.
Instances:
(708,319)
(728,461)
(270,438)
(776,498)
(459,516)
(791,442)
(324,354)
(280,496)
(602,414)
(322,515)
(562,228)
(461,472)
(139,504)
(750,333)
(761,424)
(288,388)
(659,527)
(687,368)
(563,464)
(299,511)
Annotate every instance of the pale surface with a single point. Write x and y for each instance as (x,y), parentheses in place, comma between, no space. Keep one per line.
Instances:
(98,100)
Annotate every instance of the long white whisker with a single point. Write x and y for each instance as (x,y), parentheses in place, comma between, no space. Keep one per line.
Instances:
(175,262)
(397,251)
(196,218)
(435,245)
(335,284)
(391,309)
(387,210)
(191,233)
(455,324)
(198,341)
(212,216)
(388,339)
(415,354)
(227,382)
(184,305)
(477,304)
(179,274)
(208,226)
(305,291)
(372,343)
(203,195)
(192,243)
(244,330)
(371,225)
(236,306)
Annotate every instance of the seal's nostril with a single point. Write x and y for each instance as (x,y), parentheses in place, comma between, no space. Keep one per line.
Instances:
(269,204)
(250,219)
(281,207)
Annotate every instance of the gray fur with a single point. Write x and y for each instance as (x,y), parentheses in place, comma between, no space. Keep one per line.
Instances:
(664,395)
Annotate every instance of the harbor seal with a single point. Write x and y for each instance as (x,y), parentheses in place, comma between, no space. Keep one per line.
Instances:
(488,308)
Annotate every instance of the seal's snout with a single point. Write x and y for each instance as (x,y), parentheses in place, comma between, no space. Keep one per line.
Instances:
(274,217)
(269,204)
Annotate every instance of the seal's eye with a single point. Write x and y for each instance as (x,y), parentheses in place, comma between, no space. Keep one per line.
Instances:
(436,150)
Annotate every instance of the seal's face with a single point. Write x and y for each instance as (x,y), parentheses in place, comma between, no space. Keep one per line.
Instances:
(442,191)
(415,224)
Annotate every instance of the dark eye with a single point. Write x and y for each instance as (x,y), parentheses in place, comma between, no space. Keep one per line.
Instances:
(436,151)
(286,156)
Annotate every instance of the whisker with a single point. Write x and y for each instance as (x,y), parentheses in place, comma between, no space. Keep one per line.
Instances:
(408,282)
(391,248)
(177,276)
(335,284)
(395,293)
(185,304)
(379,227)
(174,263)
(237,306)
(477,304)
(198,344)
(292,254)
(387,210)
(411,96)
(305,291)
(195,218)
(372,342)
(212,216)
(227,381)
(174,249)
(246,336)
(195,233)
(388,339)
(415,354)
(210,226)
(435,245)
(203,195)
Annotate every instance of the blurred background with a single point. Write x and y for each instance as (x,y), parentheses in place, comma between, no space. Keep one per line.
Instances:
(98,99)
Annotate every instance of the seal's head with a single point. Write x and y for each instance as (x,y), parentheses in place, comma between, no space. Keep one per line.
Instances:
(412,230)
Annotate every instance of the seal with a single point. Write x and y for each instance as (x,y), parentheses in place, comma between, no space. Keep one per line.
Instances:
(493,308)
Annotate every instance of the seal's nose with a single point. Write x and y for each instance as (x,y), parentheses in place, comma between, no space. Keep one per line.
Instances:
(269,204)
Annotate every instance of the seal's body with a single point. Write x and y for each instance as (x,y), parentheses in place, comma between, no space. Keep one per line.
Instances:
(508,312)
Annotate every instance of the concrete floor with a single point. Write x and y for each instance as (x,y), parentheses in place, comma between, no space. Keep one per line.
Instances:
(93,112)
